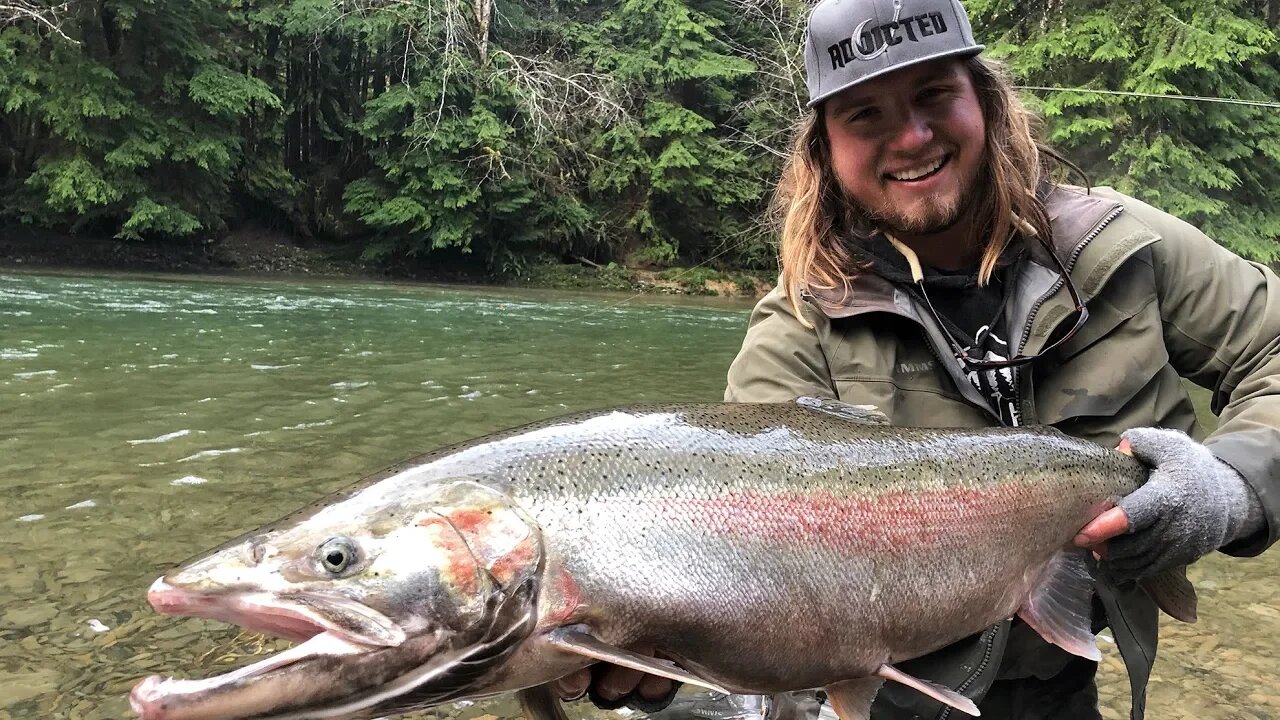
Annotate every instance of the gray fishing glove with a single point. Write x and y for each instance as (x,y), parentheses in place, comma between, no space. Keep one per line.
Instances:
(1192,504)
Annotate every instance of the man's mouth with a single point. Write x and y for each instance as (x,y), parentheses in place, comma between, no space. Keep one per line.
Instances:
(922,171)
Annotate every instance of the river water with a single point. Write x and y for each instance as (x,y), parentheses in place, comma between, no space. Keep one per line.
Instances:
(143,420)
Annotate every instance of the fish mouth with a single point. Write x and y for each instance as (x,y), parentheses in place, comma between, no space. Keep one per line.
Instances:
(166,698)
(336,672)
(326,628)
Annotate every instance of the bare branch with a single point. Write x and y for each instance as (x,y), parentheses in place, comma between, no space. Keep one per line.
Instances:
(552,98)
(13,12)
(780,73)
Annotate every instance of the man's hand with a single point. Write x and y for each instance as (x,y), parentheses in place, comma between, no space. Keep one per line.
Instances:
(1192,504)
(612,686)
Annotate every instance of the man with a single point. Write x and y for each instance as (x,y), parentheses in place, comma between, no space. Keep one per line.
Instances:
(931,267)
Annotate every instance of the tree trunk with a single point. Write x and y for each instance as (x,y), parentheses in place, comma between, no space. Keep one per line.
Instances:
(484,10)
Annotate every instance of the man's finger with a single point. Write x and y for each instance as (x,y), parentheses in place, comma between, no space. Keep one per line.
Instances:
(655,687)
(1112,523)
(574,685)
(617,681)
(1125,447)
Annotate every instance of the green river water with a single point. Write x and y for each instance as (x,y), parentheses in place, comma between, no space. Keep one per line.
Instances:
(143,420)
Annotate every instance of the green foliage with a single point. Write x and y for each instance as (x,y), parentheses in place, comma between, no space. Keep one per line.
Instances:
(73,185)
(644,131)
(221,91)
(137,131)
(149,218)
(1213,164)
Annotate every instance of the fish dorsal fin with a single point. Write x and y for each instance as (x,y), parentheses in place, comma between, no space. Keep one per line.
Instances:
(577,640)
(866,414)
(1061,605)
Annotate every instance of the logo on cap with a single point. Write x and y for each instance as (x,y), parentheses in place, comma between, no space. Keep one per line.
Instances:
(870,43)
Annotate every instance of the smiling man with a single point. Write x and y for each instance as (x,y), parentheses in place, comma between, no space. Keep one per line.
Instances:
(934,264)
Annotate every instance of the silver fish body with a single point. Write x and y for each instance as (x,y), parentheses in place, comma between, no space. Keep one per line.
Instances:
(763,547)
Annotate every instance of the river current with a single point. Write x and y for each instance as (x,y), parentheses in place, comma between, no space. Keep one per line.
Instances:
(145,419)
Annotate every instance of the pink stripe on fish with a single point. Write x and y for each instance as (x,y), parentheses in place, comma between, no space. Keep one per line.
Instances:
(891,520)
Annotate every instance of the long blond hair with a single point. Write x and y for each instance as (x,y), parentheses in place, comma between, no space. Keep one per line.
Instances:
(816,218)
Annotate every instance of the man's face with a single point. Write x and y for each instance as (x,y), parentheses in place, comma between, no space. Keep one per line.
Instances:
(907,147)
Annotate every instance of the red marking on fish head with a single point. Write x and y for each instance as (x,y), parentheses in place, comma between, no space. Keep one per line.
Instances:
(468,521)
(460,569)
(501,539)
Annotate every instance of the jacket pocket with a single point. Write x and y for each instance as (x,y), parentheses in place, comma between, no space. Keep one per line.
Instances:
(1120,359)
(885,361)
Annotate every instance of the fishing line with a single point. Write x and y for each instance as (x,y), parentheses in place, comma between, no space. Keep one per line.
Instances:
(1171,96)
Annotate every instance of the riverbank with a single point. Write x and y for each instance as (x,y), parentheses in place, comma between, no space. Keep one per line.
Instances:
(257,251)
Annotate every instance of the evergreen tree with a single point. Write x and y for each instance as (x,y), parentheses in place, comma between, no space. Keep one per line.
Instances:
(1214,164)
(130,125)
(510,132)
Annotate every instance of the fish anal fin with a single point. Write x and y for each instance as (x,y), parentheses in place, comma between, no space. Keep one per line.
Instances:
(944,695)
(851,699)
(1060,607)
(1173,592)
(866,414)
(575,639)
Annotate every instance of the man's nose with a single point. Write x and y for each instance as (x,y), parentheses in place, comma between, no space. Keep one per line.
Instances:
(914,133)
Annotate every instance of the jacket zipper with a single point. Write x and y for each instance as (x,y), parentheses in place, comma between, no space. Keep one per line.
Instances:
(987,639)
(1070,265)
(938,356)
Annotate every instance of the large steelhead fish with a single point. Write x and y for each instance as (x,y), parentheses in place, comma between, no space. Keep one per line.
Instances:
(764,548)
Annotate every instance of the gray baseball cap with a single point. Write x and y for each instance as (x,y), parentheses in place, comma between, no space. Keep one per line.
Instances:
(850,41)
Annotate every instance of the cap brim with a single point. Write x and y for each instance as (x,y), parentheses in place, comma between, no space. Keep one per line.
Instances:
(962,52)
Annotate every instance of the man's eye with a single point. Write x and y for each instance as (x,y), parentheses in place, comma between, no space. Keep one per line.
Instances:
(863,114)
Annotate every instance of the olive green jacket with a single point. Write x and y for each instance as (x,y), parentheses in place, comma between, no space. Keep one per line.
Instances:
(1165,303)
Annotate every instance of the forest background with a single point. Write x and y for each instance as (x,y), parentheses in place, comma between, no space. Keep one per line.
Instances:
(503,137)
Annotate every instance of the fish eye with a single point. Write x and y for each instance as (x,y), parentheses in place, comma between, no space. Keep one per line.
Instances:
(337,555)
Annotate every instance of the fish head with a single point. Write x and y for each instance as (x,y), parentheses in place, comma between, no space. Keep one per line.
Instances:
(399,600)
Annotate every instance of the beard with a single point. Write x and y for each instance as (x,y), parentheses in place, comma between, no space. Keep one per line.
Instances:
(932,214)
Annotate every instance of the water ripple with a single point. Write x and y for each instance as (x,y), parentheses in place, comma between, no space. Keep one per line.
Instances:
(210,453)
(161,438)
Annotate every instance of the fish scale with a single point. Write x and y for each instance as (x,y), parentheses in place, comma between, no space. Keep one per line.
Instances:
(765,548)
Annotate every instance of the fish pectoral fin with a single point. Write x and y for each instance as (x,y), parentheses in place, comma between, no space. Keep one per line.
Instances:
(866,414)
(1060,607)
(851,699)
(944,695)
(575,640)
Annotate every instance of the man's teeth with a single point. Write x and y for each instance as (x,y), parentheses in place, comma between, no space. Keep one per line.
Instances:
(918,172)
